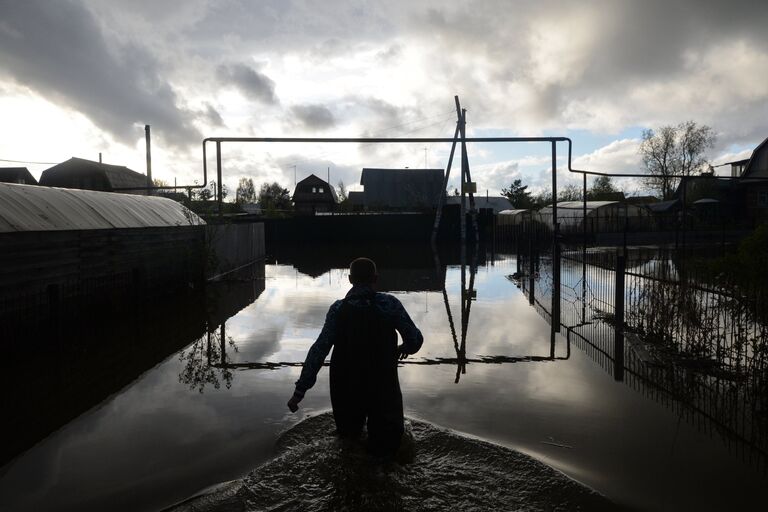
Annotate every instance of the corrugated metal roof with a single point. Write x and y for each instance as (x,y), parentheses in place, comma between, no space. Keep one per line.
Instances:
(513,212)
(34,208)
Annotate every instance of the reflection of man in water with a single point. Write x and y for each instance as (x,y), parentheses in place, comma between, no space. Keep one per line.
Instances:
(364,383)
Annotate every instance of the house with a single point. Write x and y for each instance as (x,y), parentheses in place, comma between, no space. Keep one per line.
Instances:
(601,216)
(88,175)
(754,184)
(495,203)
(18,175)
(314,195)
(401,189)
(356,201)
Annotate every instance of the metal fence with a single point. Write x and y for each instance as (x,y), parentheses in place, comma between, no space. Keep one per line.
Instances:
(662,322)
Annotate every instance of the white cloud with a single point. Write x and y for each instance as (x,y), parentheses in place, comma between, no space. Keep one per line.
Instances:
(523,68)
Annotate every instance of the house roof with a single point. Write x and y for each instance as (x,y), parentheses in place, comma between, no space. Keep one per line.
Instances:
(663,206)
(33,208)
(118,176)
(356,197)
(497,203)
(755,160)
(309,196)
(12,174)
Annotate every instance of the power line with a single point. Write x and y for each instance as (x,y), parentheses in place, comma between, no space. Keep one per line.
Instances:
(27,162)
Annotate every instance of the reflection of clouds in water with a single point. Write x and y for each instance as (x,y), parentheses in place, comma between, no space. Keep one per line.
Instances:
(259,345)
(230,431)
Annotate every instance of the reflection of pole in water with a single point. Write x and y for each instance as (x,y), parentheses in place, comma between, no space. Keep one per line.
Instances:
(222,333)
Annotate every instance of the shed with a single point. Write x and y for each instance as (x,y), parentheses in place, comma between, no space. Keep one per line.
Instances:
(25,208)
(401,189)
(18,175)
(74,252)
(313,194)
(601,216)
(512,217)
(88,175)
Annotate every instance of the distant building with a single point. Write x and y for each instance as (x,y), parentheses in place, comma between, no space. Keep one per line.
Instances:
(601,216)
(18,175)
(314,195)
(755,183)
(401,189)
(88,175)
(606,196)
(737,167)
(495,203)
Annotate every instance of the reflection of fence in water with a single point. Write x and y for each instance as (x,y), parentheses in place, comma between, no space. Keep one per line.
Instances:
(691,347)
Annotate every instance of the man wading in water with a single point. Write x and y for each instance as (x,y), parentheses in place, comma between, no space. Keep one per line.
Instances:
(364,384)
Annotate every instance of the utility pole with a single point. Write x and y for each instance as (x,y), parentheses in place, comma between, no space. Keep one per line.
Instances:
(443,191)
(149,158)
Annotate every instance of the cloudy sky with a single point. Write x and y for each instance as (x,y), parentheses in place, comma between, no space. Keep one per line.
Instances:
(79,77)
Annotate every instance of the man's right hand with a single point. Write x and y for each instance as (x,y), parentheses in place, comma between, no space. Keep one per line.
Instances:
(293,403)
(401,353)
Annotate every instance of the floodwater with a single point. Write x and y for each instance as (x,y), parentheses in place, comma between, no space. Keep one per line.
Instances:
(212,408)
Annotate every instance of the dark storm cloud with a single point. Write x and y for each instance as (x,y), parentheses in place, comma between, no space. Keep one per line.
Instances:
(251,83)
(293,25)
(58,50)
(313,117)
(212,116)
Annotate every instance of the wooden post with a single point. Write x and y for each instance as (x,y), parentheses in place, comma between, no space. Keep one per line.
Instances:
(463,220)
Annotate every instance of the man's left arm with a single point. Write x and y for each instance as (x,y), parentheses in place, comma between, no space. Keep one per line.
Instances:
(315,357)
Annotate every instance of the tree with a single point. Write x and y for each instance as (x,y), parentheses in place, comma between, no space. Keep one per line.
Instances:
(674,151)
(570,192)
(246,192)
(601,186)
(272,197)
(342,189)
(518,195)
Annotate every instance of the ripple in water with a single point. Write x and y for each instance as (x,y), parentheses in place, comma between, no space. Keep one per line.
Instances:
(315,471)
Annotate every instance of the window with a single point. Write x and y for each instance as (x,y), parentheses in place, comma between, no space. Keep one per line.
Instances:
(314,190)
(762,199)
(320,190)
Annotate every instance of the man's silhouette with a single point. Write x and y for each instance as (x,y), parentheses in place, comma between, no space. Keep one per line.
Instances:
(364,383)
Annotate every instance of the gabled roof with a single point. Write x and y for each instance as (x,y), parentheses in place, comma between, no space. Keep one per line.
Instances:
(758,162)
(310,181)
(14,174)
(118,176)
